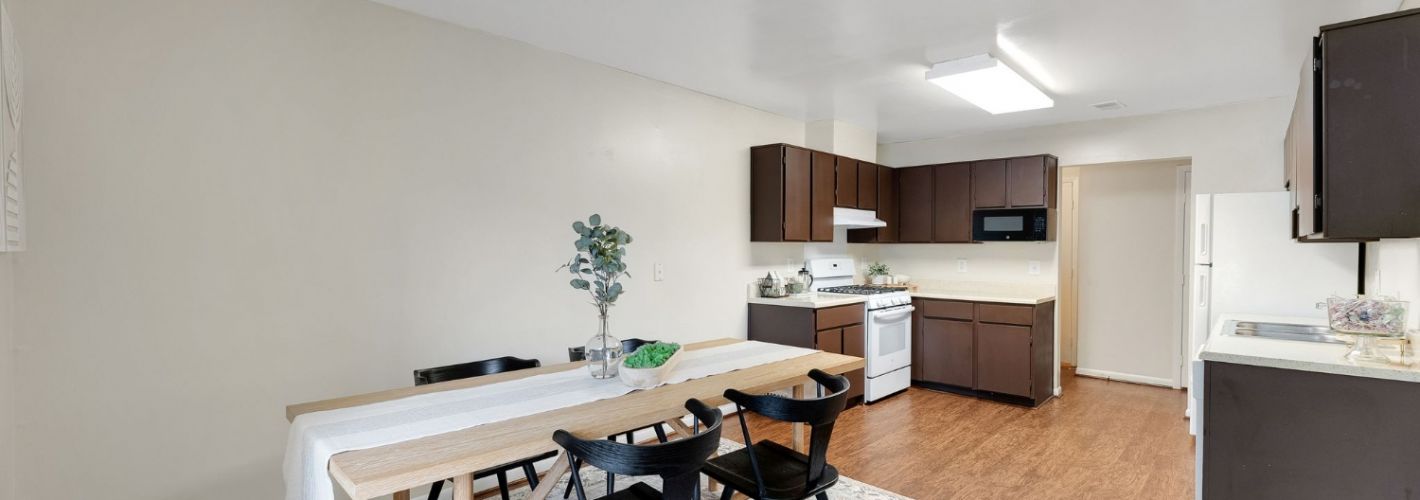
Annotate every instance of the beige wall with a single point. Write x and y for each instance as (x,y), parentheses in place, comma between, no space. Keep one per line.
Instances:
(235,206)
(1130,251)
(7,378)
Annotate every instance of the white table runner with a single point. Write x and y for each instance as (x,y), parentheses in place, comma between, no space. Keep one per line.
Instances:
(317,436)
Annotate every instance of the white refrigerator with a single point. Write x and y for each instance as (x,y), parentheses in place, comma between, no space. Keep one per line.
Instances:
(1245,261)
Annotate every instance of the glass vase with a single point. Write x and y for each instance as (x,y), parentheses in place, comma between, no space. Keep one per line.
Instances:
(603,353)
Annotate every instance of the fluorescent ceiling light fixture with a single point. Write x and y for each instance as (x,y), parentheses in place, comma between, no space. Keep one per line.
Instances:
(989,84)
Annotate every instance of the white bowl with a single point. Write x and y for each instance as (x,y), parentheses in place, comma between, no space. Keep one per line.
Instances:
(646,378)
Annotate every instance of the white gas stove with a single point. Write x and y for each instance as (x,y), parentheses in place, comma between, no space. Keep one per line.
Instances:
(887,325)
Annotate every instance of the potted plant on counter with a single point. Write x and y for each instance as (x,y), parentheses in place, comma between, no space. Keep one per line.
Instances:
(596,268)
(879,274)
(650,365)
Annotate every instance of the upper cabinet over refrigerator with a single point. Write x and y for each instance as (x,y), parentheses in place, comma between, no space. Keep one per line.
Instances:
(1352,153)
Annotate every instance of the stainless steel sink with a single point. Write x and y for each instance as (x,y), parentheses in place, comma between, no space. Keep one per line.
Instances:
(1284,331)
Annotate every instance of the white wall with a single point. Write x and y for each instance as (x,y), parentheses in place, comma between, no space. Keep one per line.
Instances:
(235,206)
(1130,251)
(1006,262)
(1234,148)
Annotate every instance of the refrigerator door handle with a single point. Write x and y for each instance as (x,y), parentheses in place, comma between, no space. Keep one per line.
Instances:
(1202,290)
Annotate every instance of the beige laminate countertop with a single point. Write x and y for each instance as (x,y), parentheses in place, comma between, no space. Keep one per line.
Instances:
(1005,293)
(1295,355)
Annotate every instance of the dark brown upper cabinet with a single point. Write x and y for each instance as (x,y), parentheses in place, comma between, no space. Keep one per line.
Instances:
(781,194)
(988,186)
(847,178)
(914,204)
(1355,160)
(887,210)
(1023,182)
(951,203)
(824,173)
(867,186)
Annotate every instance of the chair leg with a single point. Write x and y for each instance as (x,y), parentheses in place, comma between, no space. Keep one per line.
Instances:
(568,494)
(434,490)
(660,433)
(530,472)
(727,493)
(822,496)
(610,483)
(503,485)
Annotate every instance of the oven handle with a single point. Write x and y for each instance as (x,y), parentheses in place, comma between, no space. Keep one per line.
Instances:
(893,314)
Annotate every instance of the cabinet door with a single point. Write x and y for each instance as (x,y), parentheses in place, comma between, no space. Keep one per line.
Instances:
(867,186)
(887,204)
(796,194)
(824,170)
(1003,359)
(830,340)
(951,203)
(1025,182)
(853,338)
(1304,155)
(915,205)
(947,351)
(1370,121)
(988,184)
(847,178)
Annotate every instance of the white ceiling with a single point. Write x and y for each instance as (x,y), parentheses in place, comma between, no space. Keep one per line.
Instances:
(863,61)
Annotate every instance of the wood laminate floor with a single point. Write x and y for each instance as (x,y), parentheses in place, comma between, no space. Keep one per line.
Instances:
(1100,440)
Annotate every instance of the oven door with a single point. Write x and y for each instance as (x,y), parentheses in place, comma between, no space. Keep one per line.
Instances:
(889,342)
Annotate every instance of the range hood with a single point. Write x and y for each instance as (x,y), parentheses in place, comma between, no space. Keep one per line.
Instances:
(853,218)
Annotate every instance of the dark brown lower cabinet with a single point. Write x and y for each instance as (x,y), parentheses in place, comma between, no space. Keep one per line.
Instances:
(831,329)
(1001,351)
(1003,359)
(952,342)
(1270,433)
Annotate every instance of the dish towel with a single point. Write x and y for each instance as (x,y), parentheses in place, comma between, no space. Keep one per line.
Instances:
(317,436)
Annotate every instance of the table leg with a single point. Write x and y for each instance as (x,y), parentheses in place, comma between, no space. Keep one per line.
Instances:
(463,487)
(549,480)
(685,431)
(401,495)
(797,428)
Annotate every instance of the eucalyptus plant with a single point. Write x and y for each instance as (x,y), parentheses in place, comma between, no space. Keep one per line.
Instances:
(597,267)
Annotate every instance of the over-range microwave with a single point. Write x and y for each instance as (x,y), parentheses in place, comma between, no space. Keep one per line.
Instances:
(1011,224)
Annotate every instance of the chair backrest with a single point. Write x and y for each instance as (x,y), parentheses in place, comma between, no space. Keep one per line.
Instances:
(820,413)
(630,345)
(473,369)
(677,462)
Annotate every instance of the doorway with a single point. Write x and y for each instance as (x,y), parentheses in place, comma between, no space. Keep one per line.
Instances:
(1122,236)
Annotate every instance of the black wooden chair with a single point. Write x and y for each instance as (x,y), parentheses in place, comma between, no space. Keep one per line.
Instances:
(478,369)
(677,462)
(575,354)
(771,471)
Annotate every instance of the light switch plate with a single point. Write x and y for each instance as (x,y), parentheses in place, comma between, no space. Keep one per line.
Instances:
(1033,267)
(961,265)
(659,271)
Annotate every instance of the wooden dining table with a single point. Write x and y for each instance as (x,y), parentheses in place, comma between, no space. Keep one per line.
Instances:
(397,468)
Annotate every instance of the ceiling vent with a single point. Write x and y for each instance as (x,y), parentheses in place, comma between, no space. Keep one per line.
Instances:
(1108,105)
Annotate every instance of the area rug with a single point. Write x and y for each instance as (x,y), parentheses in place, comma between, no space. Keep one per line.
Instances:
(594,483)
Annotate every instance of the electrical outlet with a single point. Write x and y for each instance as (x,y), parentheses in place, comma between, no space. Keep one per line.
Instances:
(961,265)
(659,272)
(1033,267)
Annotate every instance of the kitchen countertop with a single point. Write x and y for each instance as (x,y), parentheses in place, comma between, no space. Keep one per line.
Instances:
(1295,355)
(1006,293)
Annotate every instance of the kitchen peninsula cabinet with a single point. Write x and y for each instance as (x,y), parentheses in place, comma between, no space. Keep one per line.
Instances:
(993,350)
(836,329)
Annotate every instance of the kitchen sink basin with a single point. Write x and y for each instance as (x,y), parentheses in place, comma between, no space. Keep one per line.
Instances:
(1284,331)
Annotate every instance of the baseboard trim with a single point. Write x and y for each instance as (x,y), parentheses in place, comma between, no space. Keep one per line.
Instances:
(1123,377)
